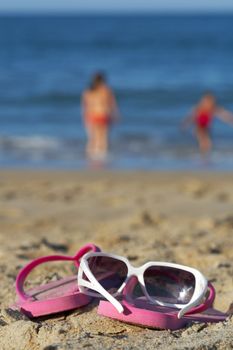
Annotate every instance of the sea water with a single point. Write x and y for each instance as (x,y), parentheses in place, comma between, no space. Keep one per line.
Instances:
(158,66)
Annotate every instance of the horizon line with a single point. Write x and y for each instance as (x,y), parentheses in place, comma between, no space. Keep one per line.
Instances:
(116,12)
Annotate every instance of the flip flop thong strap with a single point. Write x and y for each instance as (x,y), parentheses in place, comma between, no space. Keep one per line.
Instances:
(22,275)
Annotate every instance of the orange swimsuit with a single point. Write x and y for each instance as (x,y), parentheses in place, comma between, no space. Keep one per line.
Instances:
(98,119)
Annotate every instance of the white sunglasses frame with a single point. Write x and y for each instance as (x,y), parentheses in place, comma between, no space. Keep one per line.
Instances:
(201,283)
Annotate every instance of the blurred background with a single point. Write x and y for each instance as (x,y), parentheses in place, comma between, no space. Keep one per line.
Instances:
(159,58)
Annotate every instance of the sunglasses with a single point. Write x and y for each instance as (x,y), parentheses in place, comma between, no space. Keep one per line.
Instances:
(161,283)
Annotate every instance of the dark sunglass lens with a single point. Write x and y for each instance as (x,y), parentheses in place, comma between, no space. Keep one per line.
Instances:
(169,285)
(109,272)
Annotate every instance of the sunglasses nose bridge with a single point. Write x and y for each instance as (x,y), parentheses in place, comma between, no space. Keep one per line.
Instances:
(134,277)
(133,271)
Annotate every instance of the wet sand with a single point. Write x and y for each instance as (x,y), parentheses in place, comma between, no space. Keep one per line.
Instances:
(182,218)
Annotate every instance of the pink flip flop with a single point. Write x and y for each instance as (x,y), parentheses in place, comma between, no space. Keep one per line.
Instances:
(53,297)
(141,312)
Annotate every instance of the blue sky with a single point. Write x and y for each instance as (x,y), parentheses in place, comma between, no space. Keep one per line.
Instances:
(116,5)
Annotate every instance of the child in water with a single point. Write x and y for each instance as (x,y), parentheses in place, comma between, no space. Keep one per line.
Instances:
(99,111)
(202,117)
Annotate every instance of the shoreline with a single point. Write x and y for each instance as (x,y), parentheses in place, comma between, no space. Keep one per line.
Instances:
(96,172)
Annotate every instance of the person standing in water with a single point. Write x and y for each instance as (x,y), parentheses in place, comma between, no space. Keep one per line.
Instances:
(99,109)
(202,117)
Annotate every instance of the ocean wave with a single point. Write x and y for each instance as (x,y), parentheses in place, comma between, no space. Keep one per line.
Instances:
(131,152)
(37,148)
(155,96)
(50,98)
(48,147)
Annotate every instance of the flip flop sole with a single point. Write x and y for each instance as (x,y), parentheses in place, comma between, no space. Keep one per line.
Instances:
(166,319)
(152,316)
(53,297)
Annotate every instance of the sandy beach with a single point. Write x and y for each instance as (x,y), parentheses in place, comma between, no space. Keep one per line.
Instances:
(183,218)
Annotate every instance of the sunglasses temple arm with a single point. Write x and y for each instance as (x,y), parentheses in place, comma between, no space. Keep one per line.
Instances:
(195,302)
(95,285)
(187,308)
(192,308)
